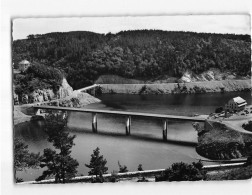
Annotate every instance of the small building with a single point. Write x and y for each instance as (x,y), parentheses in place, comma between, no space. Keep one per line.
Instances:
(23,65)
(235,104)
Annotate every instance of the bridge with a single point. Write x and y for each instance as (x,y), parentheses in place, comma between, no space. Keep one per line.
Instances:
(89,88)
(128,116)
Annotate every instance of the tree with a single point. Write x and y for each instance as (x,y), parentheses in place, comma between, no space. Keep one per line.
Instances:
(183,172)
(140,167)
(23,159)
(59,163)
(122,169)
(97,164)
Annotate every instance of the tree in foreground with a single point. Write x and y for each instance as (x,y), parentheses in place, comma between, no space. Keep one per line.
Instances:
(23,159)
(59,162)
(97,164)
(140,167)
(122,169)
(183,172)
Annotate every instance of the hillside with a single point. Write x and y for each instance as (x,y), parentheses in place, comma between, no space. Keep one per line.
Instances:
(140,54)
(39,83)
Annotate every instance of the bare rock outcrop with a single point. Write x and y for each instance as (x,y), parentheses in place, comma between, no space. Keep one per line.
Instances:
(213,74)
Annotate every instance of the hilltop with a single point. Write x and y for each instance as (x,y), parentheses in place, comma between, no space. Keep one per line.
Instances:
(140,54)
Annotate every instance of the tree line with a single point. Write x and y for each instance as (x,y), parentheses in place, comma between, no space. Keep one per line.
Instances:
(142,54)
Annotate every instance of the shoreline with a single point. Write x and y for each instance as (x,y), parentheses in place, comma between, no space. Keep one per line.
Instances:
(23,113)
(178,88)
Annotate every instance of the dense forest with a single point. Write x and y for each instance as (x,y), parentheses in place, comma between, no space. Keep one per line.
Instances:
(139,54)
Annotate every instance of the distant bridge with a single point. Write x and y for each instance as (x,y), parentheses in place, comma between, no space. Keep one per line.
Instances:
(123,113)
(85,89)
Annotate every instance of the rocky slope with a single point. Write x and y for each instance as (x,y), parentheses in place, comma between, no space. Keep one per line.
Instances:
(220,142)
(23,113)
(213,74)
(39,95)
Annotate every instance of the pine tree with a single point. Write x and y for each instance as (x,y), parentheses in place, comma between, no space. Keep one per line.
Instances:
(140,167)
(122,169)
(23,159)
(97,164)
(59,164)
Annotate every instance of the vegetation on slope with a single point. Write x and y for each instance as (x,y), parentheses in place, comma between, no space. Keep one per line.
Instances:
(247,126)
(37,76)
(139,54)
(219,142)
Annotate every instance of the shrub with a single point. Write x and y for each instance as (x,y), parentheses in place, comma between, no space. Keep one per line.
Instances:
(143,179)
(114,177)
(247,126)
(183,172)
(122,169)
(140,167)
(143,89)
(219,110)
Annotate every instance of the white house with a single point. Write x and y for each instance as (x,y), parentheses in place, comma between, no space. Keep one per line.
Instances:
(23,65)
(235,104)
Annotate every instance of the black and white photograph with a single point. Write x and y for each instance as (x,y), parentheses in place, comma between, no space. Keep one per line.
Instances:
(131,99)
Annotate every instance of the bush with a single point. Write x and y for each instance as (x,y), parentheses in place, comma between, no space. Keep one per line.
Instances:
(98,179)
(122,169)
(247,126)
(143,179)
(140,167)
(114,177)
(143,89)
(219,110)
(183,172)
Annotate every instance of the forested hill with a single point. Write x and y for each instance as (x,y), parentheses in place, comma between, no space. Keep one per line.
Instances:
(140,54)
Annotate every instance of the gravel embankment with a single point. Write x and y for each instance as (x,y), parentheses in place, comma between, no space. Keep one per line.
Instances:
(169,88)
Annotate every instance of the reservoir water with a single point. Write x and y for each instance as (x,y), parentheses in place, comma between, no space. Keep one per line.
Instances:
(145,145)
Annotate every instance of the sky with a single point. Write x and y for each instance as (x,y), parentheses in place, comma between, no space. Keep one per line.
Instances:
(234,24)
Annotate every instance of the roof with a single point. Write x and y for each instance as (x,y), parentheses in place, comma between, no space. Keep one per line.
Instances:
(239,100)
(240,105)
(24,62)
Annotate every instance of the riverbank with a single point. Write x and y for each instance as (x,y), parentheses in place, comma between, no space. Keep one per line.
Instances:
(175,88)
(219,141)
(23,113)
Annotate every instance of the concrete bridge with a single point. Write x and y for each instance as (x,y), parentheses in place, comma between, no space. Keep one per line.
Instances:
(89,89)
(128,116)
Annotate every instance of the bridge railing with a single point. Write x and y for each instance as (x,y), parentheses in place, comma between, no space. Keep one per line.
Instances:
(128,116)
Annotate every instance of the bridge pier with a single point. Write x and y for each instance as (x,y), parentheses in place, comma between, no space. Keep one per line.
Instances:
(94,122)
(128,125)
(165,130)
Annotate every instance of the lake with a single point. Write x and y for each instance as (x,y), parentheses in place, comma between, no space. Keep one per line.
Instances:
(145,145)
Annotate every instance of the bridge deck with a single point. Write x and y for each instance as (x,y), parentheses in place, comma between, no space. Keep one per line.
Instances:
(89,87)
(139,114)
